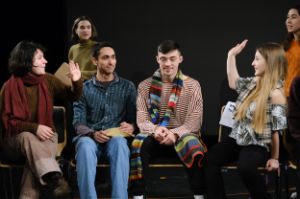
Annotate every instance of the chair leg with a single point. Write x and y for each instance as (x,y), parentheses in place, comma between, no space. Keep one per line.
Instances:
(71,180)
(4,188)
(277,186)
(11,183)
(286,181)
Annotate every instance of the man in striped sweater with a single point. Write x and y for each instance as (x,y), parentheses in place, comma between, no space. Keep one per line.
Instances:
(169,109)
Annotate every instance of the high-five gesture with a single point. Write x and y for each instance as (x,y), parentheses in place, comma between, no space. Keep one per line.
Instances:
(238,48)
(74,71)
(232,72)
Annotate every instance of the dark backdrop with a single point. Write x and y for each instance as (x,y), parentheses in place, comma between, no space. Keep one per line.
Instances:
(206,30)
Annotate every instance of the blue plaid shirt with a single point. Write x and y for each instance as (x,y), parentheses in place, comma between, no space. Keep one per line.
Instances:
(105,106)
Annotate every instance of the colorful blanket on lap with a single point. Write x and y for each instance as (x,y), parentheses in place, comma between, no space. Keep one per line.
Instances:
(188,147)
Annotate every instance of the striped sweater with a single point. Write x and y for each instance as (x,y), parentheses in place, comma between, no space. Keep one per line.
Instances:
(187,117)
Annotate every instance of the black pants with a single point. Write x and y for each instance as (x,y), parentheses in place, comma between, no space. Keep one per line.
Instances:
(152,149)
(248,158)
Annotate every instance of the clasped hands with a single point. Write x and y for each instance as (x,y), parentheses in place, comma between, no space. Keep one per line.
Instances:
(164,136)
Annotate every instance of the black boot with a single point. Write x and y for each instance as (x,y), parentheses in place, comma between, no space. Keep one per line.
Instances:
(57,185)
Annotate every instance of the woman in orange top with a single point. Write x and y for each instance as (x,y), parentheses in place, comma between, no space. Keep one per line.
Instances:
(292,46)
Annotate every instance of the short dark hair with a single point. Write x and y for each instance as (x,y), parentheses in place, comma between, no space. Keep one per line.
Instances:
(74,36)
(21,57)
(168,46)
(98,46)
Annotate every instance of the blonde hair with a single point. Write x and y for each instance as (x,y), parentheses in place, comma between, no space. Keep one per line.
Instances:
(276,68)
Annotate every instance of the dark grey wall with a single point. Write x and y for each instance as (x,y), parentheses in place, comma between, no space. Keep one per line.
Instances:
(206,30)
(40,21)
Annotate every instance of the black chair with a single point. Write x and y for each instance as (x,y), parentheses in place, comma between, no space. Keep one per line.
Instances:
(6,168)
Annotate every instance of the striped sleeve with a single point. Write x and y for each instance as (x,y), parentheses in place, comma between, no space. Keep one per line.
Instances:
(189,109)
(143,119)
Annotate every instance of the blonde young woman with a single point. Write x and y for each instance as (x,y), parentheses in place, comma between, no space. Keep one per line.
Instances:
(260,116)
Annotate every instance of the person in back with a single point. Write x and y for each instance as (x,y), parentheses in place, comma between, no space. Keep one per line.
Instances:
(292,46)
(84,34)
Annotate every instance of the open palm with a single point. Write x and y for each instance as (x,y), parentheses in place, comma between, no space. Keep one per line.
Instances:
(74,71)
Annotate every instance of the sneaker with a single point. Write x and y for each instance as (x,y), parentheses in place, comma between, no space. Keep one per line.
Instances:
(139,197)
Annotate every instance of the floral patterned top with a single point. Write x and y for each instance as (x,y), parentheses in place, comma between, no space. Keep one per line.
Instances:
(243,132)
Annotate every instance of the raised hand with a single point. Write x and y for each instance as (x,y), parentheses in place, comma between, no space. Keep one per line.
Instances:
(238,48)
(74,71)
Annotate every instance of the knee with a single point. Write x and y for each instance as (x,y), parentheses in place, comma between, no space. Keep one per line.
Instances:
(246,168)
(211,159)
(85,145)
(119,144)
(27,137)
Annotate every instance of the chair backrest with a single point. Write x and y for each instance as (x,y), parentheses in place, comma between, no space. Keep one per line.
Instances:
(223,130)
(59,120)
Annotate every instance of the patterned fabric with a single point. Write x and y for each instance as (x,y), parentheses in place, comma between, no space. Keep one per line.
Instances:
(16,109)
(155,92)
(188,147)
(188,113)
(135,158)
(243,132)
(101,107)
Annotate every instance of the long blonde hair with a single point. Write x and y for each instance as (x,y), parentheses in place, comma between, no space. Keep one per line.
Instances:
(276,68)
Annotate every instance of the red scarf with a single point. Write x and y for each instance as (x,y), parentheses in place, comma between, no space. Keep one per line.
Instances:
(16,108)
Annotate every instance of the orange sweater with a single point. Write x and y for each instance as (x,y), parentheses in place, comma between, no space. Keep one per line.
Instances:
(293,58)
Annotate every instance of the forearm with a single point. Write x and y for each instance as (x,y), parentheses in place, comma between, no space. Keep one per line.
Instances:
(275,146)
(232,72)
(76,90)
(82,129)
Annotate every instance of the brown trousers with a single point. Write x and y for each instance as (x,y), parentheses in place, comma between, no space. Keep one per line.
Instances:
(39,159)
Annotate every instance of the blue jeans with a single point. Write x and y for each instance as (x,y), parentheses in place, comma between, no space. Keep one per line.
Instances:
(87,153)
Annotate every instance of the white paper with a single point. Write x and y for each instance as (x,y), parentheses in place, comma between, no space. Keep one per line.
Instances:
(227,117)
